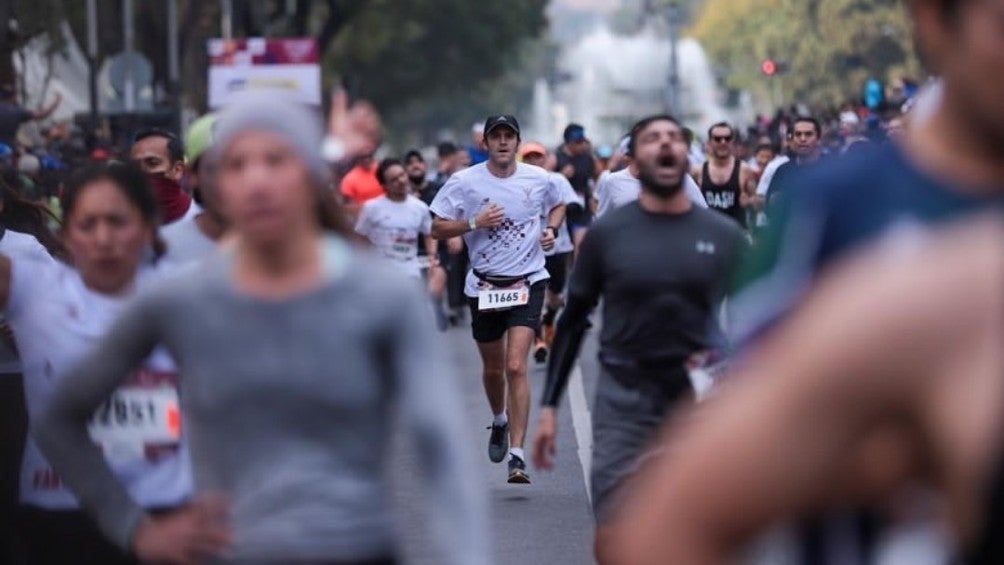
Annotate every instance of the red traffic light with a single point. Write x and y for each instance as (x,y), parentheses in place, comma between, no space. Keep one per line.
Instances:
(769,67)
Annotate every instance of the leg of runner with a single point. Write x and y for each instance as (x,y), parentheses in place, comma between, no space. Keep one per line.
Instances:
(437,290)
(493,378)
(519,340)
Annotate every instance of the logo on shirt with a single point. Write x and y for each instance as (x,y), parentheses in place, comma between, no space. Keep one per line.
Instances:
(705,247)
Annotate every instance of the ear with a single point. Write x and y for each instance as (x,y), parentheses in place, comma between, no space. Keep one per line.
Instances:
(178,170)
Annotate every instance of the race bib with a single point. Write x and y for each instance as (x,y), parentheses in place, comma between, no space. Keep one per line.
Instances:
(402,251)
(137,420)
(493,298)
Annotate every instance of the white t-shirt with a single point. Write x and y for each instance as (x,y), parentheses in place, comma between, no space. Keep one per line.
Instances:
(186,244)
(394,228)
(18,246)
(513,248)
(57,319)
(563,242)
(619,188)
(768,174)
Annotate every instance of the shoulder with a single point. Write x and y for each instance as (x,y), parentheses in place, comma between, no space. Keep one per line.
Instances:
(417,203)
(612,221)
(15,242)
(533,172)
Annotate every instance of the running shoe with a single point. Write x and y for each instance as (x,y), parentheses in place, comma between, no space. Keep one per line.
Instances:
(517,471)
(498,443)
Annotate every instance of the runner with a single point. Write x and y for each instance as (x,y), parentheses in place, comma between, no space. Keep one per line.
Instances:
(558,258)
(622,187)
(831,412)
(660,265)
(575,161)
(306,344)
(194,237)
(497,207)
(161,155)
(58,313)
(23,228)
(394,223)
(434,266)
(728,184)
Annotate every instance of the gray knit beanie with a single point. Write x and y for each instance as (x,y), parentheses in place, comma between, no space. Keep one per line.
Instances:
(270,111)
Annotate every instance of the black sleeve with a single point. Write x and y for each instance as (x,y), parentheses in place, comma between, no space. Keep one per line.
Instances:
(584,289)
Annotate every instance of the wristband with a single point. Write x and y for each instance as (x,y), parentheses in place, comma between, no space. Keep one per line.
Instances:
(554,231)
(472,223)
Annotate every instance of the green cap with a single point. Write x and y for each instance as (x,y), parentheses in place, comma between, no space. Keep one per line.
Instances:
(199,138)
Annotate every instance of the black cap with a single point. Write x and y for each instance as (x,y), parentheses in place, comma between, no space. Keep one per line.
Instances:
(505,120)
(574,132)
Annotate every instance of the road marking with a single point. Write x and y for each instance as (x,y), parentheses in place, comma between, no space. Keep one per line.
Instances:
(582,423)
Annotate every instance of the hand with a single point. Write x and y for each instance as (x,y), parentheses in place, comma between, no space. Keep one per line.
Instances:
(7,335)
(455,245)
(544,445)
(490,217)
(547,239)
(568,170)
(195,533)
(357,126)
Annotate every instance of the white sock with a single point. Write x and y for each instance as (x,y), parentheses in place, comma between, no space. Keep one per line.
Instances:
(501,419)
(518,452)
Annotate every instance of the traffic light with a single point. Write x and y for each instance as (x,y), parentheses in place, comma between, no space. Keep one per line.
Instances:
(769,67)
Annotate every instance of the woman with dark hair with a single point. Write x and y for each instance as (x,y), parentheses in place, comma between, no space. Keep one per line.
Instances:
(301,346)
(58,312)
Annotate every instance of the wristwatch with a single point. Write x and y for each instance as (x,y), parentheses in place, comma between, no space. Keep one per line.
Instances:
(554,231)
(472,223)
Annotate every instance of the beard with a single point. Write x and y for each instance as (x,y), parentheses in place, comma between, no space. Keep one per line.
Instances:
(650,183)
(417,180)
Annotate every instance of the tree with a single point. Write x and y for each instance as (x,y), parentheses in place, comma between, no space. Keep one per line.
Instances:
(830,47)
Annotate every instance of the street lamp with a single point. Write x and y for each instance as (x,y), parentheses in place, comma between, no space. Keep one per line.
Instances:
(673,98)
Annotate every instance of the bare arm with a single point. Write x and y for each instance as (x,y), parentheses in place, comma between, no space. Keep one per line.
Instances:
(747,185)
(850,368)
(490,217)
(697,173)
(431,249)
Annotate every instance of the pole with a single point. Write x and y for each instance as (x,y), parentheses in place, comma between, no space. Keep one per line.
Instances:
(174,94)
(673,104)
(227,19)
(92,58)
(129,42)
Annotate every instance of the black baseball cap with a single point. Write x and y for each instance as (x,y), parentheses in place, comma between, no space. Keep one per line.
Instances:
(506,120)
(574,132)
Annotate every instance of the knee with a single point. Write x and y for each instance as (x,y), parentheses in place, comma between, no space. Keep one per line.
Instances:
(492,373)
(515,370)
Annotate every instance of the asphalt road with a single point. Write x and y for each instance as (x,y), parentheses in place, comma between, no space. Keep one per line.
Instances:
(546,522)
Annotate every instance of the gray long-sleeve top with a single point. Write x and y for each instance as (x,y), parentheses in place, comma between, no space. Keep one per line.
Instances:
(287,406)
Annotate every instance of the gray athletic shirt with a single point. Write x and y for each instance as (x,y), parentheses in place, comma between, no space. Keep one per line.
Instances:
(288,407)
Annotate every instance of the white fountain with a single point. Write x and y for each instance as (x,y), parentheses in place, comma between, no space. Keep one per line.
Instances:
(615,80)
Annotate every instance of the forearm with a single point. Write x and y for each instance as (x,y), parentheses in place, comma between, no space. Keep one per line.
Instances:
(431,248)
(570,330)
(445,229)
(556,216)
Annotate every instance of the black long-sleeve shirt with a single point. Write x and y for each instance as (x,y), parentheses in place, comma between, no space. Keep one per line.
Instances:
(661,277)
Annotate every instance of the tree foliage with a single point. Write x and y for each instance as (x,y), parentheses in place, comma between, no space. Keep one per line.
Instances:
(831,47)
(406,56)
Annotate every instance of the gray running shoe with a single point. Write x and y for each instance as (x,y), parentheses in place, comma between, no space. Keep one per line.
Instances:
(498,443)
(517,471)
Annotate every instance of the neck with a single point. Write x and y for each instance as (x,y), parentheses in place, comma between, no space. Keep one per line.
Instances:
(678,203)
(945,147)
(211,225)
(721,161)
(279,272)
(633,170)
(501,171)
(396,197)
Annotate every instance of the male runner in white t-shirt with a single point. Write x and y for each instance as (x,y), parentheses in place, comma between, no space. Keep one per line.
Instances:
(394,221)
(497,206)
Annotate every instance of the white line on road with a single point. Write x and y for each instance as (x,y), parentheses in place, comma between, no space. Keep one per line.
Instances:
(582,422)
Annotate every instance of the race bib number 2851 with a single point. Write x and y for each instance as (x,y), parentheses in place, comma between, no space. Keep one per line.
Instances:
(135,418)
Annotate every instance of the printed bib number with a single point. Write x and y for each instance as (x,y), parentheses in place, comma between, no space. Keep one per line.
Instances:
(499,298)
(135,418)
(402,251)
(424,262)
